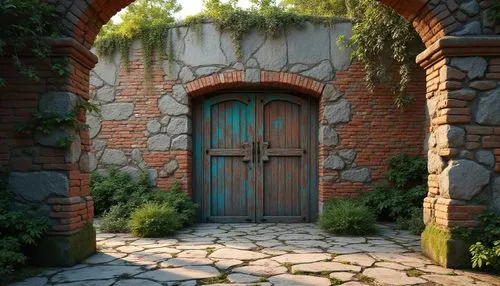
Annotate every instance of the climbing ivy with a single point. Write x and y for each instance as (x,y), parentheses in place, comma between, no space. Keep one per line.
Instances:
(382,40)
(28,26)
(46,122)
(228,17)
(265,17)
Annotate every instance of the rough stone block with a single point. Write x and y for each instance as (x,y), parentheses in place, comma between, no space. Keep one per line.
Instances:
(114,157)
(180,94)
(168,105)
(463,179)
(470,8)
(449,136)
(179,125)
(159,142)
(475,67)
(435,164)
(334,162)
(485,157)
(488,110)
(117,111)
(321,72)
(169,168)
(361,175)
(299,44)
(153,126)
(202,51)
(348,155)
(107,71)
(58,102)
(328,136)
(94,124)
(38,186)
(330,93)
(182,142)
(65,250)
(339,112)
(272,56)
(88,162)
(340,56)
(439,245)
(106,94)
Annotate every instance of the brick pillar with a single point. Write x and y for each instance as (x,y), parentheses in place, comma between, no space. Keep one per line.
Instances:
(53,180)
(463,102)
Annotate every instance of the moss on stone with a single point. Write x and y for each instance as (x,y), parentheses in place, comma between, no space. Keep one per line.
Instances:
(65,250)
(440,246)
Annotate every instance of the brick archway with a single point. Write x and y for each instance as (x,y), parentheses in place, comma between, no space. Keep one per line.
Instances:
(281,80)
(431,20)
(462,63)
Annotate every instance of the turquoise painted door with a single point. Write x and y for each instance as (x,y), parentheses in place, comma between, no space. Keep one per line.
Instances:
(229,181)
(252,156)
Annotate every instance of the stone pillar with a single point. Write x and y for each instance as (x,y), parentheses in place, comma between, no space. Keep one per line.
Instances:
(463,102)
(54,180)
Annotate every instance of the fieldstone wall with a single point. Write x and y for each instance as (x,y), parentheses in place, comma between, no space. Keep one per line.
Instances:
(147,126)
(464,159)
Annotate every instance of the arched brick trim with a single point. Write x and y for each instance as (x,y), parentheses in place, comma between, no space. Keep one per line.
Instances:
(431,19)
(239,79)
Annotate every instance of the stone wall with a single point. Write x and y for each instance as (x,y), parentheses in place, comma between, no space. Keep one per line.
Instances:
(463,104)
(147,126)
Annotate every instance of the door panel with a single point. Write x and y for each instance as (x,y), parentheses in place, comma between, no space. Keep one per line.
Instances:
(255,164)
(228,136)
(282,164)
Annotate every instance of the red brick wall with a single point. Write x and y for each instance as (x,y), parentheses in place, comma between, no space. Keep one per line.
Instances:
(378,130)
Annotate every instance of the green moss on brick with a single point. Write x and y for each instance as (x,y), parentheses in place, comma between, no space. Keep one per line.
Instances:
(65,250)
(440,246)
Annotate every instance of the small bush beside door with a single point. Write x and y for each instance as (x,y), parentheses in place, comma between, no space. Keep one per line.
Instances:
(397,199)
(347,217)
(129,204)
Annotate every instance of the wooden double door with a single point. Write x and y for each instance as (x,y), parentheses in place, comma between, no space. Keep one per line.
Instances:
(254,157)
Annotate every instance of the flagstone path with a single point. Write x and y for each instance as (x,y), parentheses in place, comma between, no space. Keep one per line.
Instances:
(259,254)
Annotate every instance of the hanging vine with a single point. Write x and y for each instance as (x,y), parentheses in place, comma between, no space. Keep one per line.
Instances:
(47,122)
(238,22)
(28,26)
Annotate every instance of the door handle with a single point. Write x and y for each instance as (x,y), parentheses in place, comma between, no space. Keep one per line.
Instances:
(264,157)
(248,152)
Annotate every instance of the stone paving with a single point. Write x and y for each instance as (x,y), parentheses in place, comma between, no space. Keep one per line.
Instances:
(259,254)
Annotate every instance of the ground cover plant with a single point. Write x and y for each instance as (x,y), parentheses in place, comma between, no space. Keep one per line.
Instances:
(484,242)
(122,201)
(347,217)
(153,219)
(400,196)
(20,229)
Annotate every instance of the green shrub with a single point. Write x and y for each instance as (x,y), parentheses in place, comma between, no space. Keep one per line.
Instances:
(347,217)
(400,197)
(179,200)
(116,219)
(484,256)
(406,171)
(484,240)
(415,223)
(117,187)
(19,230)
(154,220)
(117,195)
